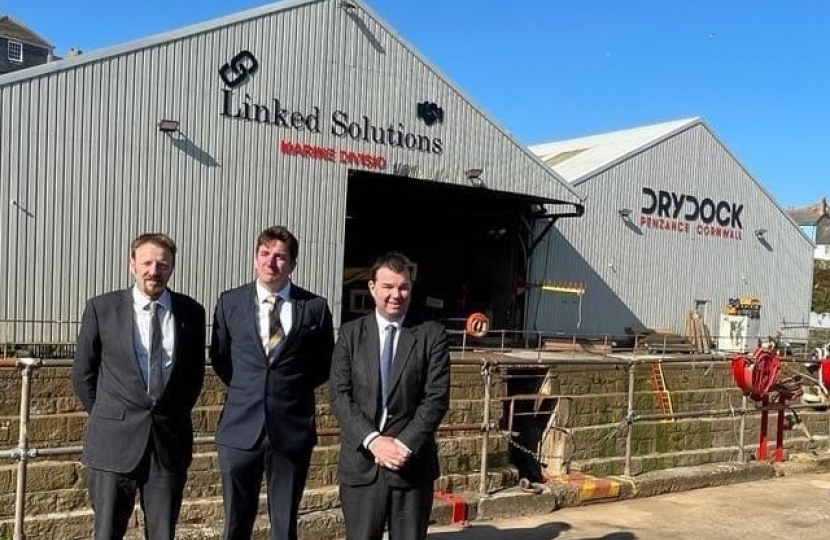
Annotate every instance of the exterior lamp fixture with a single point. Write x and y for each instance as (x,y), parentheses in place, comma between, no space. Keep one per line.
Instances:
(474,177)
(168,126)
(347,5)
(759,233)
(625,213)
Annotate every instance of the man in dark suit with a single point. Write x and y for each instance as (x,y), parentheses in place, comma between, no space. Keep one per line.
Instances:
(138,370)
(271,346)
(390,382)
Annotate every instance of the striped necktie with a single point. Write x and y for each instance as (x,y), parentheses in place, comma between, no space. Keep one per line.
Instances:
(276,333)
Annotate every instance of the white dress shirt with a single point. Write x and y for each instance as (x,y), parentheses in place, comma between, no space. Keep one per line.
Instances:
(383,324)
(142,311)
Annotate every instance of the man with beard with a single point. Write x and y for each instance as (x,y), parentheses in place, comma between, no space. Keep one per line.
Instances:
(138,370)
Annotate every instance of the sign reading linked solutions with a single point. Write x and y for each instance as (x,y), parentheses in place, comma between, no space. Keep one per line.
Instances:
(239,105)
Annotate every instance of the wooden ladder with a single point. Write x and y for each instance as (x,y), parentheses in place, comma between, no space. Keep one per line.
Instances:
(658,386)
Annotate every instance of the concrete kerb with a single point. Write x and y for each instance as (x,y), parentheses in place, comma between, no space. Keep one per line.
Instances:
(514,502)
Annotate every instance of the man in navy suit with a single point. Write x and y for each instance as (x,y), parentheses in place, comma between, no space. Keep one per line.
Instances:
(138,370)
(390,385)
(271,346)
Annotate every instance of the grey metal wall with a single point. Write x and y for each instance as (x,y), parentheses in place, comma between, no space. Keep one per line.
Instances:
(637,276)
(84,169)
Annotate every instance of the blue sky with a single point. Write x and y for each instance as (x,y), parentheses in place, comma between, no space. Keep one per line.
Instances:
(756,70)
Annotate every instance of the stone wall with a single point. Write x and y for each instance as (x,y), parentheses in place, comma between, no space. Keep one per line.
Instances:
(56,500)
(589,436)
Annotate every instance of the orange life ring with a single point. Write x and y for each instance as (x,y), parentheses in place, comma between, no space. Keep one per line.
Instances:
(477,325)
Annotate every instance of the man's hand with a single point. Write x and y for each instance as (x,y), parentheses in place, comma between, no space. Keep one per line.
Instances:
(388,452)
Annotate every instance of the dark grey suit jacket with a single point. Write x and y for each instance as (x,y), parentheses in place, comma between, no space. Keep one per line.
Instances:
(279,396)
(418,398)
(109,383)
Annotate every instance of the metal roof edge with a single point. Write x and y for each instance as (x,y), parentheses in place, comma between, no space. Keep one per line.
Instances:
(757,183)
(463,95)
(69,63)
(697,121)
(587,176)
(150,41)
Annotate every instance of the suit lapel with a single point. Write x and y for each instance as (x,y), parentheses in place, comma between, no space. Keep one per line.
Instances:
(125,323)
(178,334)
(369,355)
(250,317)
(297,300)
(297,314)
(406,342)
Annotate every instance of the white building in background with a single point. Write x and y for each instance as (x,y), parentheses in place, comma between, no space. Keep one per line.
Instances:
(673,222)
(814,220)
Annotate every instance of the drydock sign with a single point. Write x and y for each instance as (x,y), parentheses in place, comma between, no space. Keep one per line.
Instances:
(689,214)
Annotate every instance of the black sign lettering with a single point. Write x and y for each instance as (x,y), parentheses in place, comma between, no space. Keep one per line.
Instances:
(669,204)
(678,204)
(707,210)
(723,206)
(239,69)
(736,215)
(650,207)
(692,215)
(235,104)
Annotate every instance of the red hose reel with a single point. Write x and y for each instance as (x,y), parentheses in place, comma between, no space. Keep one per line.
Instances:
(756,373)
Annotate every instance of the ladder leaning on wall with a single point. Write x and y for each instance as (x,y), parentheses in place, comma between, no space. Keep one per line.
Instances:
(658,386)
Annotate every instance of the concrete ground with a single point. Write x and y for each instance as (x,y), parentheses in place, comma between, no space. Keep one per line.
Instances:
(793,506)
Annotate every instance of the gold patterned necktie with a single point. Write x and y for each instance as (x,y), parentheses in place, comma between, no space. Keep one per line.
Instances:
(276,333)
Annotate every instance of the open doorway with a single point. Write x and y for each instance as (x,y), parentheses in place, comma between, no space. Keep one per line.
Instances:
(469,244)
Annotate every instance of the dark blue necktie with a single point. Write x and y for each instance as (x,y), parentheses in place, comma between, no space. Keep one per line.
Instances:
(155,369)
(386,362)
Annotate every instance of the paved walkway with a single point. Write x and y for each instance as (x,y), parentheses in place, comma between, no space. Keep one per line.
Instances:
(790,507)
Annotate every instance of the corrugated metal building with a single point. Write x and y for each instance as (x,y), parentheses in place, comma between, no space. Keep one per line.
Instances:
(313,114)
(673,222)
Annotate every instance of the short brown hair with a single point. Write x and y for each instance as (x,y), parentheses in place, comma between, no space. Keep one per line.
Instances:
(278,232)
(397,262)
(157,239)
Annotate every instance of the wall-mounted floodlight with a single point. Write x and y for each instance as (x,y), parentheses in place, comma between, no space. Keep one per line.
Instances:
(759,233)
(168,126)
(347,5)
(474,177)
(625,213)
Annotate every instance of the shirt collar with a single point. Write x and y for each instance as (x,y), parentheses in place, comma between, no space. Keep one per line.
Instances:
(383,322)
(262,293)
(142,300)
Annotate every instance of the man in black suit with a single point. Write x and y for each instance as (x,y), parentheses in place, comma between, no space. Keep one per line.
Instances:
(271,346)
(390,382)
(138,370)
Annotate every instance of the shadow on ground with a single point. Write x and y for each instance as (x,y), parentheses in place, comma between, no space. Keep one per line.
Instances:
(548,531)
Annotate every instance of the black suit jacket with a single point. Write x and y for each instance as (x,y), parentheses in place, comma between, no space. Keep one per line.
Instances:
(279,396)
(108,381)
(418,398)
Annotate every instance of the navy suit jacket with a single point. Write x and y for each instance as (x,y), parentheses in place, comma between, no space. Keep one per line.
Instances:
(418,398)
(278,396)
(108,381)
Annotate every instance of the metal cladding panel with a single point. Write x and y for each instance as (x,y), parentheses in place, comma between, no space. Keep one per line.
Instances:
(640,275)
(85,167)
